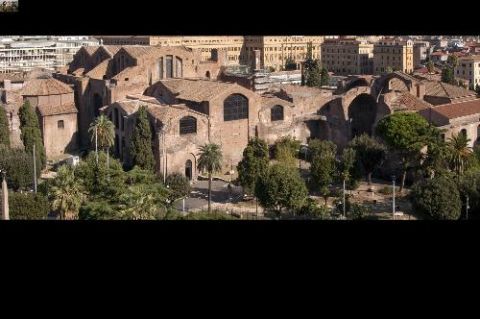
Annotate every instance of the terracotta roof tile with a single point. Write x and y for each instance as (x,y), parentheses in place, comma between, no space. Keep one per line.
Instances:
(407,101)
(46,86)
(196,90)
(47,110)
(456,110)
(435,88)
(99,71)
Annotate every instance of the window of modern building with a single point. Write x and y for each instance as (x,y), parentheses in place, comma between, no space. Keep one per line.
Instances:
(61,124)
(277,113)
(188,125)
(235,107)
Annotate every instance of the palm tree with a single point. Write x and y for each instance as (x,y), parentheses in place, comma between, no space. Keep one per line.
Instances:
(66,194)
(459,152)
(210,160)
(105,133)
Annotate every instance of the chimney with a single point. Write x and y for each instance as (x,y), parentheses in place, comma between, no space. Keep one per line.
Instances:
(256,60)
(420,90)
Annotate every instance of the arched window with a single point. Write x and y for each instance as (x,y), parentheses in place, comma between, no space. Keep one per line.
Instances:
(188,169)
(188,125)
(235,107)
(61,124)
(277,113)
(207,74)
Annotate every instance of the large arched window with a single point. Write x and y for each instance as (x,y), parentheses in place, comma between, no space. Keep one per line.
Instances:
(235,107)
(277,113)
(188,125)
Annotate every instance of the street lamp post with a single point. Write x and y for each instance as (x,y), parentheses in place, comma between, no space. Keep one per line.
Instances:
(344,200)
(393,198)
(5,208)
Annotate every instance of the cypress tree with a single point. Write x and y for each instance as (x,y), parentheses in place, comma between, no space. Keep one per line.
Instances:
(325,78)
(4,131)
(141,145)
(31,134)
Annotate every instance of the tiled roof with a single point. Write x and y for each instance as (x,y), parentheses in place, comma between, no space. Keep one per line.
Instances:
(470,57)
(196,90)
(435,88)
(46,110)
(137,51)
(112,49)
(91,49)
(99,71)
(455,110)
(48,86)
(409,102)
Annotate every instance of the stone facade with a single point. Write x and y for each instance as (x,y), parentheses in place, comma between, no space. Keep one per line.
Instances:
(395,54)
(274,50)
(55,106)
(347,57)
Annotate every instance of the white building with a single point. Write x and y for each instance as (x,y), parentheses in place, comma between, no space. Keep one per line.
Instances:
(468,68)
(24,53)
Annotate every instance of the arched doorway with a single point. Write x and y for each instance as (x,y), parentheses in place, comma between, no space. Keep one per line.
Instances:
(189,170)
(362,113)
(207,74)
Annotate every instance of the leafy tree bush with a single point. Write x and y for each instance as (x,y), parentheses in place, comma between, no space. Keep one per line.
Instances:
(4,128)
(281,189)
(28,205)
(141,143)
(19,167)
(438,198)
(178,187)
(31,134)
(253,165)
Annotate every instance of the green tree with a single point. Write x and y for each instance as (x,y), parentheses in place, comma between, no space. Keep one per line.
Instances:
(98,180)
(430,67)
(253,165)
(347,163)
(142,202)
(31,134)
(312,210)
(286,144)
(290,64)
(358,211)
(282,188)
(178,187)
(141,143)
(210,160)
(370,153)
(452,61)
(19,167)
(324,77)
(313,74)
(66,193)
(99,209)
(4,128)
(448,76)
(105,133)
(322,168)
(26,205)
(459,153)
(406,134)
(389,69)
(438,198)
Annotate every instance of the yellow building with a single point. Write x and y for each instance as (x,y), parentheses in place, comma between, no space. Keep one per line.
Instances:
(274,50)
(394,54)
(347,56)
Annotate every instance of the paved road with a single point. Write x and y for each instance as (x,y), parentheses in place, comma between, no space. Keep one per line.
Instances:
(220,194)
